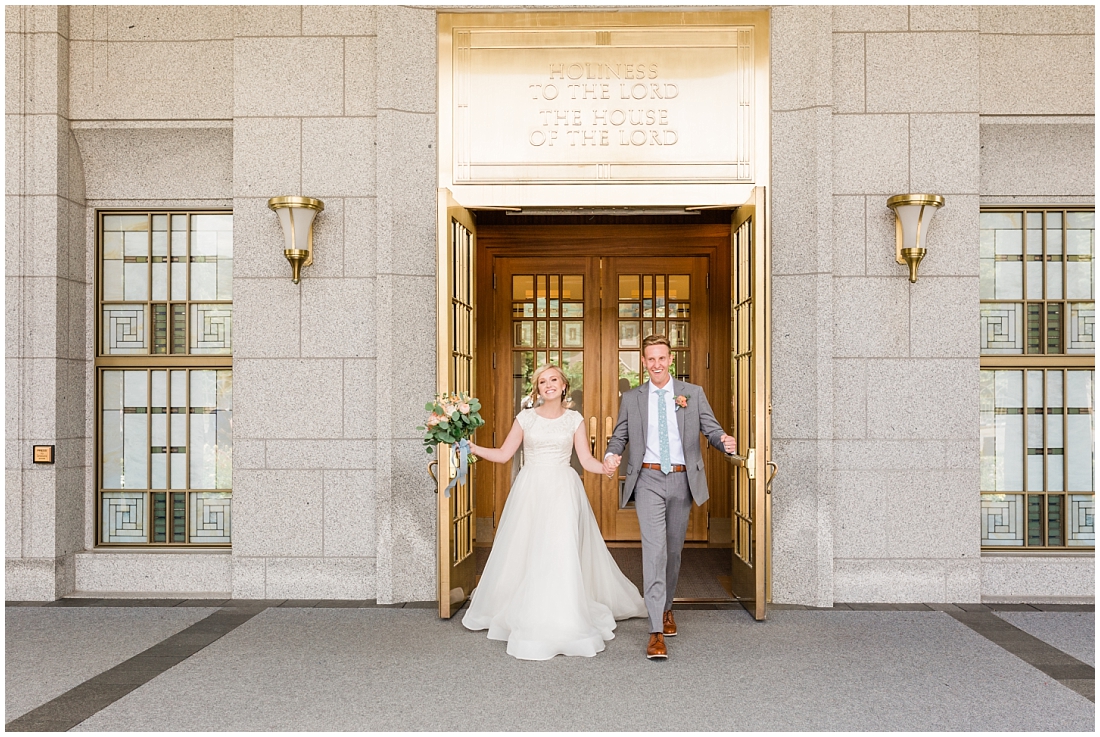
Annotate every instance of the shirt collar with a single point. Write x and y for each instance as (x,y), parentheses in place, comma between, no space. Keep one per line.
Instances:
(653,390)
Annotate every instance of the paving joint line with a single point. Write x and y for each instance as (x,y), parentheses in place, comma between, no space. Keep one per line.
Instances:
(1060,666)
(100,691)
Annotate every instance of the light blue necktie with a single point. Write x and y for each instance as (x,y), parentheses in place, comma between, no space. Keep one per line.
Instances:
(662,433)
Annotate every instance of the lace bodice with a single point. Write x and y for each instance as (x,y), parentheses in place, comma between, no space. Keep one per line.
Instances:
(548,442)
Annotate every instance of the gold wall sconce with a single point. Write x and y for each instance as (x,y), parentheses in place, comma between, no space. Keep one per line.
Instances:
(913,214)
(296,215)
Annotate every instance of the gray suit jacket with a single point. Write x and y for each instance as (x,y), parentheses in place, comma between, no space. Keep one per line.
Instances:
(692,420)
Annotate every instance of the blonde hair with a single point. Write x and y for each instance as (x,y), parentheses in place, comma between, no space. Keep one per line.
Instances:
(533,398)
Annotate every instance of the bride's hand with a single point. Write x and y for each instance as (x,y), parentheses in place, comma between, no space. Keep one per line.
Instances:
(473,448)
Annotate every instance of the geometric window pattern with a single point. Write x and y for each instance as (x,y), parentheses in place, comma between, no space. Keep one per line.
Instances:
(166,264)
(210,515)
(1036,282)
(124,517)
(211,328)
(1037,439)
(663,304)
(1037,450)
(165,429)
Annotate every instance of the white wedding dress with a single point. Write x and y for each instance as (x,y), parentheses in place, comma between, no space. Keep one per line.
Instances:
(550,586)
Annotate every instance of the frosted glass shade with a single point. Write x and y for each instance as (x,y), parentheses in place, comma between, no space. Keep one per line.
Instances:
(914,214)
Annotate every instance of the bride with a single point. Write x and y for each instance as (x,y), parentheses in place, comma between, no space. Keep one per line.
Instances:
(550,586)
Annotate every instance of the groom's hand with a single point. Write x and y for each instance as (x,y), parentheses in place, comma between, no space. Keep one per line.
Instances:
(729,443)
(610,463)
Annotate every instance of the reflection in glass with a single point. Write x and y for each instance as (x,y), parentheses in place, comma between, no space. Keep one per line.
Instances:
(628,287)
(523,287)
(629,334)
(524,334)
(629,368)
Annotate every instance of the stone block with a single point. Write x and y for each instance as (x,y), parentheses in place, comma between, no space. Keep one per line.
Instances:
(162,572)
(44,236)
(360,233)
(272,394)
(320,578)
(349,514)
(279,77)
(322,455)
(267,20)
(1039,578)
(1050,153)
(39,394)
(870,154)
(338,157)
(931,513)
(941,311)
(14,220)
(258,240)
(850,398)
(338,318)
(338,20)
(861,513)
(170,22)
(849,236)
(882,238)
(963,578)
(940,397)
(277,513)
(15,54)
(360,76)
(894,581)
(407,59)
(922,72)
(13,498)
(801,46)
(43,328)
(81,331)
(13,316)
(889,455)
(943,154)
(406,203)
(155,80)
(412,524)
(328,241)
(249,577)
(29,579)
(13,18)
(953,239)
(794,409)
(1038,19)
(963,454)
(266,317)
(943,18)
(412,349)
(267,157)
(359,398)
(870,18)
(249,453)
(39,511)
(801,155)
(42,157)
(157,163)
(872,317)
(1037,75)
(849,73)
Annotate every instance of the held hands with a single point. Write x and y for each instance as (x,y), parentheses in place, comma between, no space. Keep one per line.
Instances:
(611,463)
(729,443)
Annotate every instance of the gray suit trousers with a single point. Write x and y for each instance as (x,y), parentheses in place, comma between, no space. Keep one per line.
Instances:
(663,504)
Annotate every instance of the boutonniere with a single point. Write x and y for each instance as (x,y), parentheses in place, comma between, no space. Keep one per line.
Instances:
(681,402)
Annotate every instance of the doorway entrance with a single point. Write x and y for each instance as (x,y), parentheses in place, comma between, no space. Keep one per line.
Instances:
(582,293)
(517,291)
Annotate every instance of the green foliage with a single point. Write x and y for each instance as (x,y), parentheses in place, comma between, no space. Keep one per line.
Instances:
(451,418)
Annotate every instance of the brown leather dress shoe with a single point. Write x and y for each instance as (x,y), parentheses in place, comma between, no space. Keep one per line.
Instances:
(670,624)
(656,648)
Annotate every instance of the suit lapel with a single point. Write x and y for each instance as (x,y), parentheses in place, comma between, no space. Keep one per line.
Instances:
(681,415)
(643,411)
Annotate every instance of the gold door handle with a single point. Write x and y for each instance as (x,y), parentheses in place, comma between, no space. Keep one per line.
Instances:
(775,470)
(434,477)
(592,434)
(608,428)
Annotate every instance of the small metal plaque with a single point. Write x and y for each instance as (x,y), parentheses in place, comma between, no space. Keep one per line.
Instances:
(43,454)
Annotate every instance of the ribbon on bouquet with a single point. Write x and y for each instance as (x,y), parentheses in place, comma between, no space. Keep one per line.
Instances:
(459,451)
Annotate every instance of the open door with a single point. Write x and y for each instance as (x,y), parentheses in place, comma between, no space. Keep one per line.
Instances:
(751,392)
(455,373)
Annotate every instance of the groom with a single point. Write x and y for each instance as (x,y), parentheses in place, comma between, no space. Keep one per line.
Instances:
(662,420)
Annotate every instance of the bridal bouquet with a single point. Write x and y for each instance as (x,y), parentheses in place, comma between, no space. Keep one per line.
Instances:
(452,420)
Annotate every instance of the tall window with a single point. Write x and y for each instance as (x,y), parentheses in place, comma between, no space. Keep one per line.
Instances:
(1037,380)
(164,378)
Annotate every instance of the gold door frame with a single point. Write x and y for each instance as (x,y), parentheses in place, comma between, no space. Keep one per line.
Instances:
(456,305)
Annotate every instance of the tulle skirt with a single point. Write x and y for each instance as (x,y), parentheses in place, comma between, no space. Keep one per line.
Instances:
(550,586)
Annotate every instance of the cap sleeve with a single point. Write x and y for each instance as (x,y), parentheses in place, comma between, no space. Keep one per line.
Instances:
(526,418)
(576,419)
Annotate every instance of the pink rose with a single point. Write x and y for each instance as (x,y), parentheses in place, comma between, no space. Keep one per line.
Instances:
(434,420)
(681,401)
(464,408)
(448,409)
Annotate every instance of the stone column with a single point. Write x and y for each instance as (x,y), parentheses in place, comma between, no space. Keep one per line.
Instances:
(906,355)
(47,278)
(802,305)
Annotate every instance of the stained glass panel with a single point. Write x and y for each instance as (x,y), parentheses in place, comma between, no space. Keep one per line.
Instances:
(1003,519)
(210,517)
(124,517)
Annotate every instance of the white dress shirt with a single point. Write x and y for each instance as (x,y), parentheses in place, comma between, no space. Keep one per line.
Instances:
(653,437)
